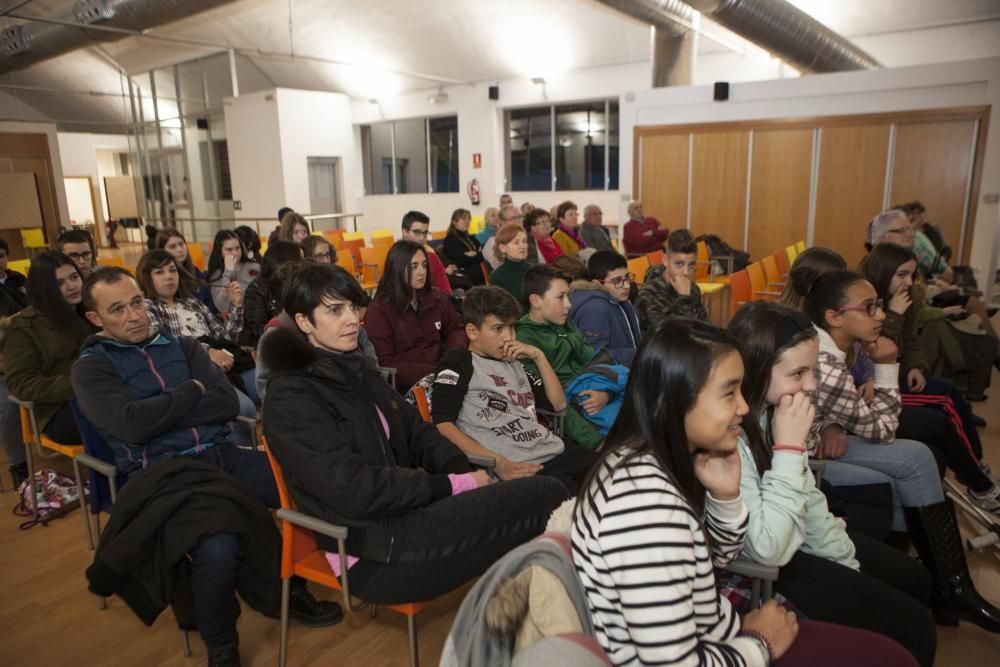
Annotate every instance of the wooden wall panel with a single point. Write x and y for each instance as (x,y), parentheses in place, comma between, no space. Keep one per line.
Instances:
(21,209)
(719,185)
(851,183)
(781,176)
(664,178)
(932,164)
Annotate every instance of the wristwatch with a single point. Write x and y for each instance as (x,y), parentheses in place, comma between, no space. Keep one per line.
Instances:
(765,655)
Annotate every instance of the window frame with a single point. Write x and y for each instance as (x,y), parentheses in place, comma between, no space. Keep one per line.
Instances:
(365,132)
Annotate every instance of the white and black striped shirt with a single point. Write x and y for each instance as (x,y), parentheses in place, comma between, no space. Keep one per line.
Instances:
(647,571)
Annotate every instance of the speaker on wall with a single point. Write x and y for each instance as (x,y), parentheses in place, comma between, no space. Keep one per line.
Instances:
(721,91)
(494,92)
(202,123)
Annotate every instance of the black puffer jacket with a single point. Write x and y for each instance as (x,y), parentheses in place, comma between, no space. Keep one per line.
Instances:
(322,425)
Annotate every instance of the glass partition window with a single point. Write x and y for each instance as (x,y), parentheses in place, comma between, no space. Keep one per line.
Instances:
(563,147)
(411,156)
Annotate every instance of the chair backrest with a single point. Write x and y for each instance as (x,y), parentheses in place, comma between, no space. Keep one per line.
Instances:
(335,236)
(758,283)
(781,261)
(353,248)
(296,542)
(771,272)
(197,255)
(381,233)
(739,283)
(111,261)
(346,260)
(383,241)
(439,236)
(703,266)
(638,266)
(33,238)
(655,258)
(423,405)
(355,236)
(800,247)
(95,445)
(19,265)
(791,253)
(372,263)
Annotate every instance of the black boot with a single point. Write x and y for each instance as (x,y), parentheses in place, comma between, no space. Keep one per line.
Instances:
(225,657)
(934,531)
(18,473)
(307,610)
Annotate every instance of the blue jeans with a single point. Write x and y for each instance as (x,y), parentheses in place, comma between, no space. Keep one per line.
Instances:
(10,427)
(906,465)
(215,558)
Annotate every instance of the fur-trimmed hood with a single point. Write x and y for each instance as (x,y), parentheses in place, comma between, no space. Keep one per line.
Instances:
(286,351)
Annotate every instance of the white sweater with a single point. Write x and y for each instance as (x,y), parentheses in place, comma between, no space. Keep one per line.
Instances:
(647,571)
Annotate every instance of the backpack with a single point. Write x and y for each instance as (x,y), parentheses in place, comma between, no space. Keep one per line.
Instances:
(933,233)
(57,494)
(719,251)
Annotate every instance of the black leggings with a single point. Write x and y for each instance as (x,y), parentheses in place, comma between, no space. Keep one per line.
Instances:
(570,466)
(935,430)
(62,427)
(442,545)
(888,596)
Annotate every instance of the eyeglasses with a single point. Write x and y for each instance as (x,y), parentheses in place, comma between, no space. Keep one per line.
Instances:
(323,255)
(870,308)
(80,256)
(419,232)
(621,281)
(902,230)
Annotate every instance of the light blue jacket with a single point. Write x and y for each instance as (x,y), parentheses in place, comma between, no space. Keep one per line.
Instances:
(788,512)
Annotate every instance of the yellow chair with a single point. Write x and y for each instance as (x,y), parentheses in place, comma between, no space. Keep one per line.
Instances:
(354,236)
(791,253)
(33,240)
(476,224)
(381,233)
(112,261)
(638,267)
(19,265)
(800,247)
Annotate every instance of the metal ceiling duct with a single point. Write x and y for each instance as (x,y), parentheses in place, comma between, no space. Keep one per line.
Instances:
(787,32)
(25,44)
(774,25)
(672,40)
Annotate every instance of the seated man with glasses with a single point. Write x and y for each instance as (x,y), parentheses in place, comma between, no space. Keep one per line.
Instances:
(78,245)
(416,228)
(669,290)
(601,309)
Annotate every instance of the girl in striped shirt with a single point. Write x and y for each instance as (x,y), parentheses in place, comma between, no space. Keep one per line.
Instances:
(662,509)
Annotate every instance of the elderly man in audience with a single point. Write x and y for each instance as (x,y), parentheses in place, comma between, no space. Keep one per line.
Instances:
(642,235)
(509,215)
(595,235)
(155,397)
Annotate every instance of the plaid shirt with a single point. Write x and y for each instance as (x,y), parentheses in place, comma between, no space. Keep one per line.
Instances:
(166,319)
(838,401)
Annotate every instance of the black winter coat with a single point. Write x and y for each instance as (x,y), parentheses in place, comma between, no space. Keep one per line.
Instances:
(322,426)
(159,517)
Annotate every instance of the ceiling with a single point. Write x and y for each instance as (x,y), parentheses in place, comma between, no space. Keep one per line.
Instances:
(386,46)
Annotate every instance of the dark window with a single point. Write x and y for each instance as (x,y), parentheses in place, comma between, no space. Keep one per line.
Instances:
(444,153)
(530,136)
(425,152)
(224,182)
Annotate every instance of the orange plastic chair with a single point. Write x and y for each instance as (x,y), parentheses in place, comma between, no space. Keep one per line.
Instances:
(437,236)
(655,257)
(703,267)
(781,261)
(335,236)
(423,405)
(346,260)
(638,266)
(301,556)
(382,242)
(774,277)
(353,247)
(32,435)
(739,284)
(197,255)
(758,283)
(372,261)
(111,261)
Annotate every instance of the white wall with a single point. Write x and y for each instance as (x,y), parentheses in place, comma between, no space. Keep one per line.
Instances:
(480,130)
(78,153)
(255,161)
(315,124)
(971,83)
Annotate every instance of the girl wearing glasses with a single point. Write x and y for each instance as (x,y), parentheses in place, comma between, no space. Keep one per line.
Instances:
(845,309)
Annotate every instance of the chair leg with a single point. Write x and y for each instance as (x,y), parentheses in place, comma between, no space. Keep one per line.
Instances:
(286,587)
(411,623)
(87,529)
(103,604)
(186,643)
(31,479)
(374,611)
(755,593)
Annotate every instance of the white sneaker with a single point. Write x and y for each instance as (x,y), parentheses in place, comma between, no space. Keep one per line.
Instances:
(988,501)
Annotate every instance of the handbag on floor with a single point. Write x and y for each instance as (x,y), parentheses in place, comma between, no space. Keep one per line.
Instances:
(57,494)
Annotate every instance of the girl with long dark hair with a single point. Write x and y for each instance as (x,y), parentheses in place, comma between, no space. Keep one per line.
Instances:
(261,303)
(43,341)
(933,409)
(828,572)
(227,264)
(845,309)
(662,508)
(411,323)
(462,249)
(173,241)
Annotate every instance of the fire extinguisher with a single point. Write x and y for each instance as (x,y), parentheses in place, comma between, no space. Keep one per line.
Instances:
(474,192)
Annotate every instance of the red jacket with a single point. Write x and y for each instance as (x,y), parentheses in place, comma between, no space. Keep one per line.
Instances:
(635,240)
(438,276)
(413,342)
